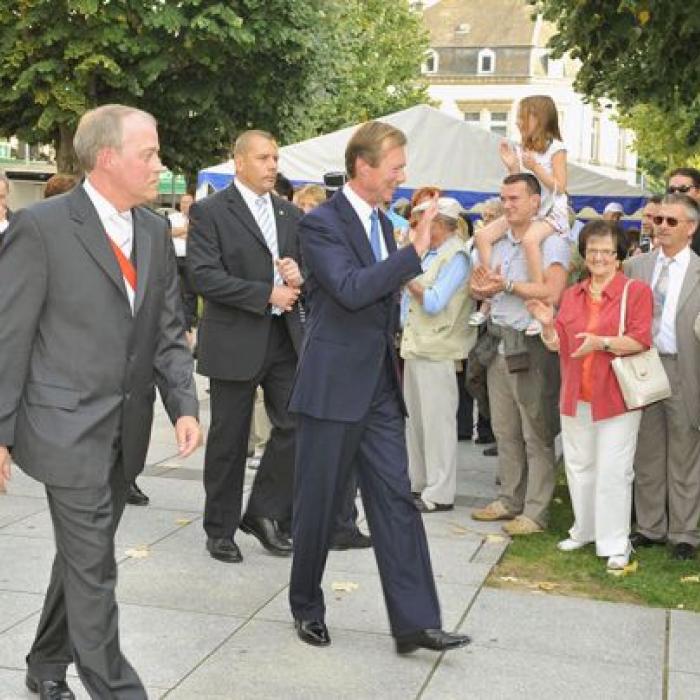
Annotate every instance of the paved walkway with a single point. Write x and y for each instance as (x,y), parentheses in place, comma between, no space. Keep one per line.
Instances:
(197,629)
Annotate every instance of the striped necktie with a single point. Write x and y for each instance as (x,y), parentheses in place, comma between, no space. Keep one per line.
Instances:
(270,234)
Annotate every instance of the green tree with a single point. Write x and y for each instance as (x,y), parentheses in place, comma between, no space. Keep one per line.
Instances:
(206,69)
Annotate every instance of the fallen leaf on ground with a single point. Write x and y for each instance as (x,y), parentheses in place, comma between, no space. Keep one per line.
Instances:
(140,552)
(183,521)
(509,579)
(459,530)
(629,569)
(547,585)
(344,586)
(690,579)
(495,538)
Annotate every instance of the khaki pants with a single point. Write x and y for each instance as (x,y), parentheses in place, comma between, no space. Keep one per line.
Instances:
(525,420)
(667,468)
(431,395)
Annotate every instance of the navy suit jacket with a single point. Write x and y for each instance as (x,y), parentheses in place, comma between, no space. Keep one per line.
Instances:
(352,312)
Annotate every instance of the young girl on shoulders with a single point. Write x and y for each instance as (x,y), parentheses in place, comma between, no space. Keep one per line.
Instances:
(543,154)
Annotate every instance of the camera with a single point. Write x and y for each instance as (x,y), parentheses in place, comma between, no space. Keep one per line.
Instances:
(645,243)
(334,181)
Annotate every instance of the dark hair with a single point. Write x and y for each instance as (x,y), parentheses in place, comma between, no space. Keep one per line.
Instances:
(59,183)
(283,187)
(692,173)
(599,228)
(654,199)
(531,182)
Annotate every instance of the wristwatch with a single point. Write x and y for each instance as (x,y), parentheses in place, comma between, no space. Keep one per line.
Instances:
(508,287)
(606,344)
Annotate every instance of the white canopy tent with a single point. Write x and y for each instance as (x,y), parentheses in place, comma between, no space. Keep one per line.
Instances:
(444,151)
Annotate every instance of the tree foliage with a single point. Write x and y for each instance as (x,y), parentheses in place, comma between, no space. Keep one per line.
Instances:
(206,69)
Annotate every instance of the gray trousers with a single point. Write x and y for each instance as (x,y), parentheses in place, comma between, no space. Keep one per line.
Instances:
(79,621)
(667,468)
(525,421)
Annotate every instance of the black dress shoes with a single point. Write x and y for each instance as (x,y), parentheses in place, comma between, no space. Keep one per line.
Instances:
(224,549)
(350,540)
(49,690)
(313,632)
(135,496)
(637,540)
(268,534)
(436,640)
(491,451)
(683,551)
(484,440)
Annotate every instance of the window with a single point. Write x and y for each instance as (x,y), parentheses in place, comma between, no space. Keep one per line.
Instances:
(430,64)
(499,123)
(595,139)
(486,61)
(473,118)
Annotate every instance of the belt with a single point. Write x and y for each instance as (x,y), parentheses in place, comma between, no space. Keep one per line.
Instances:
(669,355)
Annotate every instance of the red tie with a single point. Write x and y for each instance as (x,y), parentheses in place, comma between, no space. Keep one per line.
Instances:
(125,265)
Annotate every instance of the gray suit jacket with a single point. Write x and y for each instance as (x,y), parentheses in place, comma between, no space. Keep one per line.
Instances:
(642,267)
(77,369)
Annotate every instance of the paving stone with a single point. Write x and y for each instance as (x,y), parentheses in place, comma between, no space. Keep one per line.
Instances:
(193,581)
(684,686)
(14,509)
(22,485)
(363,609)
(457,524)
(267,660)
(504,674)
(169,494)
(570,628)
(26,564)
(684,645)
(15,607)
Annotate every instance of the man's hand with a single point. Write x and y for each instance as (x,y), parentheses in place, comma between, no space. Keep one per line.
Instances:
(420,234)
(284,297)
(5,467)
(486,283)
(590,344)
(288,268)
(188,435)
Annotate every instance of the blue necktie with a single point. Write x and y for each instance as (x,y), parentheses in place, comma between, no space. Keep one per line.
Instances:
(374,234)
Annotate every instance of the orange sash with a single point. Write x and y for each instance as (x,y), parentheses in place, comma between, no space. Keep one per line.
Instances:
(125,265)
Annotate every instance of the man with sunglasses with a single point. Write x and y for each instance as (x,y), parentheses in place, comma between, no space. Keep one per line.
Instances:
(667,461)
(687,181)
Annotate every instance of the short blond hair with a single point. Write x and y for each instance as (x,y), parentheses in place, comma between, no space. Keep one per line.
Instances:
(313,194)
(102,128)
(242,143)
(368,143)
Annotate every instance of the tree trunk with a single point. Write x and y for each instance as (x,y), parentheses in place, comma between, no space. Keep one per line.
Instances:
(65,156)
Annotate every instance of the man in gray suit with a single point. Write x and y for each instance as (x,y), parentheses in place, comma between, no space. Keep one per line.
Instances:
(90,320)
(667,462)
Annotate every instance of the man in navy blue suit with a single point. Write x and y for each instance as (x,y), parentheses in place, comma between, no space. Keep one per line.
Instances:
(348,401)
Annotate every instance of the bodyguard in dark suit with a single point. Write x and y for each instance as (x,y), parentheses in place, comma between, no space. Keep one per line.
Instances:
(85,334)
(348,399)
(242,253)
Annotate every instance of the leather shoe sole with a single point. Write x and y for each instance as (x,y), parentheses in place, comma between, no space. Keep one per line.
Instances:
(49,690)
(313,632)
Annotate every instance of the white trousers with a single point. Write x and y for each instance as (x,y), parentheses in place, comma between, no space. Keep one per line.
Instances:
(598,457)
(430,391)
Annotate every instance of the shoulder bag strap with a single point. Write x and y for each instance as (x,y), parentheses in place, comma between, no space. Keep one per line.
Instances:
(623,309)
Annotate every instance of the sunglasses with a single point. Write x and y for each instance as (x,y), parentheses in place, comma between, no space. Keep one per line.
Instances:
(671,221)
(680,189)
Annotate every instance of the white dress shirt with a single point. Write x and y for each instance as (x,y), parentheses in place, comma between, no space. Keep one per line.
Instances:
(118,225)
(179,220)
(665,338)
(251,198)
(364,213)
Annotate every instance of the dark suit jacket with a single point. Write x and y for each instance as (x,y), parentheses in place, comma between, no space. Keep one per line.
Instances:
(352,312)
(8,216)
(230,266)
(77,369)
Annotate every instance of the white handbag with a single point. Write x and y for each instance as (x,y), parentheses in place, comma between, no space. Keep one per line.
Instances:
(641,377)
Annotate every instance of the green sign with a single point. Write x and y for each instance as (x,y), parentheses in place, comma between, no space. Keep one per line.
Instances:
(169,185)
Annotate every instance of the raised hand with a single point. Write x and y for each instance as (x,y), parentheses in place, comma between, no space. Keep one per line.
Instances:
(508,156)
(419,235)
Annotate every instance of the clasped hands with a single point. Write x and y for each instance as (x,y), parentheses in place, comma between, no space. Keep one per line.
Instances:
(285,295)
(485,282)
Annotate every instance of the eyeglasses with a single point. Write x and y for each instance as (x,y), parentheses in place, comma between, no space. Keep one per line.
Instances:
(605,254)
(671,221)
(680,189)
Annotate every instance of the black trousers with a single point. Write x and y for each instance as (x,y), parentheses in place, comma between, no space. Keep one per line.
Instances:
(376,446)
(465,413)
(227,443)
(79,621)
(187,294)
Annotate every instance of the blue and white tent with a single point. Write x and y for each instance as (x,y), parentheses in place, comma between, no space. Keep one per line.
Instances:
(458,157)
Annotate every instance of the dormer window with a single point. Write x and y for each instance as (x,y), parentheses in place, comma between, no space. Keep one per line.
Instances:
(463,29)
(430,63)
(486,61)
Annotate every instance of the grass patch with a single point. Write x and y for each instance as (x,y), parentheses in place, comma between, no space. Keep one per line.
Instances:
(534,563)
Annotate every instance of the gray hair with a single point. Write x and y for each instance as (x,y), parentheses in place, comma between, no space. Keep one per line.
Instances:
(688,204)
(102,128)
(242,144)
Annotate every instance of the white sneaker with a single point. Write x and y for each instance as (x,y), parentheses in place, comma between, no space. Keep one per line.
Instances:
(570,545)
(619,561)
(477,318)
(533,328)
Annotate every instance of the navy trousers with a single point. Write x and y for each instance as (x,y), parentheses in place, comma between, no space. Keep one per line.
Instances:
(376,447)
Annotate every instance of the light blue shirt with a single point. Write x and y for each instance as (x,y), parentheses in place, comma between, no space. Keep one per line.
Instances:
(449,279)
